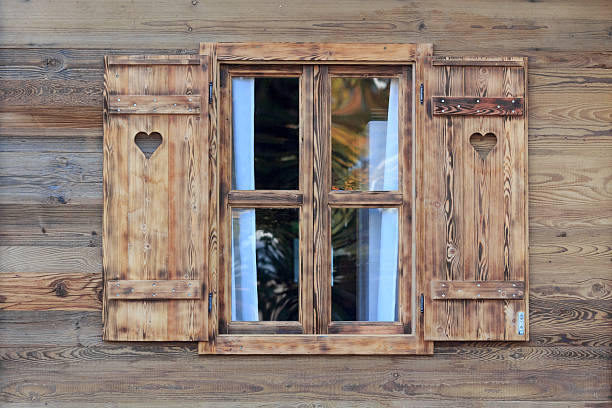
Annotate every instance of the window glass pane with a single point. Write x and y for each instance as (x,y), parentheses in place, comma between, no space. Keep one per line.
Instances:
(364,264)
(265,133)
(364,133)
(265,264)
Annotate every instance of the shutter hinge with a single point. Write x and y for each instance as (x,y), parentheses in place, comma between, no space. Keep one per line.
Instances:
(209,302)
(422,303)
(422,94)
(210,90)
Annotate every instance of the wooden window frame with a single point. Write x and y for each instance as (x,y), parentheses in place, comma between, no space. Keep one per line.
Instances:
(280,337)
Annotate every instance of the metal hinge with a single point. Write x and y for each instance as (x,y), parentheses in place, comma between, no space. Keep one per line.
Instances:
(210,89)
(422,94)
(422,303)
(209,302)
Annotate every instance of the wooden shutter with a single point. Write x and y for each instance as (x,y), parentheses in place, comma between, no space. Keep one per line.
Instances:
(474,200)
(156,208)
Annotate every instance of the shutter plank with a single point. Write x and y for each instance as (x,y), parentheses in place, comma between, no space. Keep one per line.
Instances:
(482,203)
(160,228)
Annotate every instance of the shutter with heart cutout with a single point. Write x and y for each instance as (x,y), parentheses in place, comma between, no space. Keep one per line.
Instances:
(473,200)
(155,198)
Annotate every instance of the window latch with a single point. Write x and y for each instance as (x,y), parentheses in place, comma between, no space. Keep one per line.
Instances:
(209,302)
(210,89)
(422,303)
(422,94)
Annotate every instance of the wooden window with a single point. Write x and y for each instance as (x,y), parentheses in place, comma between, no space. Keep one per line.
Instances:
(315,198)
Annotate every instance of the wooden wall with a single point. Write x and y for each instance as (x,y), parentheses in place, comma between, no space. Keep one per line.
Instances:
(51,74)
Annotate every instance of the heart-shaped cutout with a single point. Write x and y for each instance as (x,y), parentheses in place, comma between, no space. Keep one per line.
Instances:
(483,144)
(148,142)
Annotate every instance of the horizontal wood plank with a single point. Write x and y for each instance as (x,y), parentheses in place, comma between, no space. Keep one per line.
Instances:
(446,290)
(454,105)
(152,60)
(265,198)
(344,344)
(153,289)
(366,328)
(480,61)
(363,198)
(50,291)
(313,52)
(265,327)
(154,104)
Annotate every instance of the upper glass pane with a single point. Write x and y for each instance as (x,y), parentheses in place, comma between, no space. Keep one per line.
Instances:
(265,133)
(364,131)
(265,264)
(364,264)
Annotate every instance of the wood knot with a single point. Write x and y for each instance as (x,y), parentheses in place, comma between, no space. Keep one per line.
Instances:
(60,289)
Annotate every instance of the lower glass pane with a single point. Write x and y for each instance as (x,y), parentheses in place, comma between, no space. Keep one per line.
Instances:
(265,264)
(364,264)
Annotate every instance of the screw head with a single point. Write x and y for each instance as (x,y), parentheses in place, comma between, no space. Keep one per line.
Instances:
(478,284)
(134,104)
(118,99)
(443,295)
(477,100)
(458,106)
(498,106)
(442,100)
(513,101)
(477,110)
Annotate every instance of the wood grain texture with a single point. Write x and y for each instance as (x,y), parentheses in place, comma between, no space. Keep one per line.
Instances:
(50,291)
(155,104)
(476,290)
(316,53)
(483,204)
(455,105)
(329,344)
(153,289)
(51,83)
(155,209)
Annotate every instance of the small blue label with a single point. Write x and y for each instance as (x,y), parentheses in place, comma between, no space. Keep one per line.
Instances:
(521,324)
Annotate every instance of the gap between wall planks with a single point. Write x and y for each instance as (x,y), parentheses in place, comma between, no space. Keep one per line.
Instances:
(299,54)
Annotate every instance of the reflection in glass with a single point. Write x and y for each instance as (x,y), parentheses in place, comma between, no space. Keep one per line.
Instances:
(265,264)
(364,133)
(265,133)
(364,264)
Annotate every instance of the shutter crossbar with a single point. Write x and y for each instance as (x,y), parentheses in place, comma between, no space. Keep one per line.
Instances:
(153,289)
(445,290)
(154,104)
